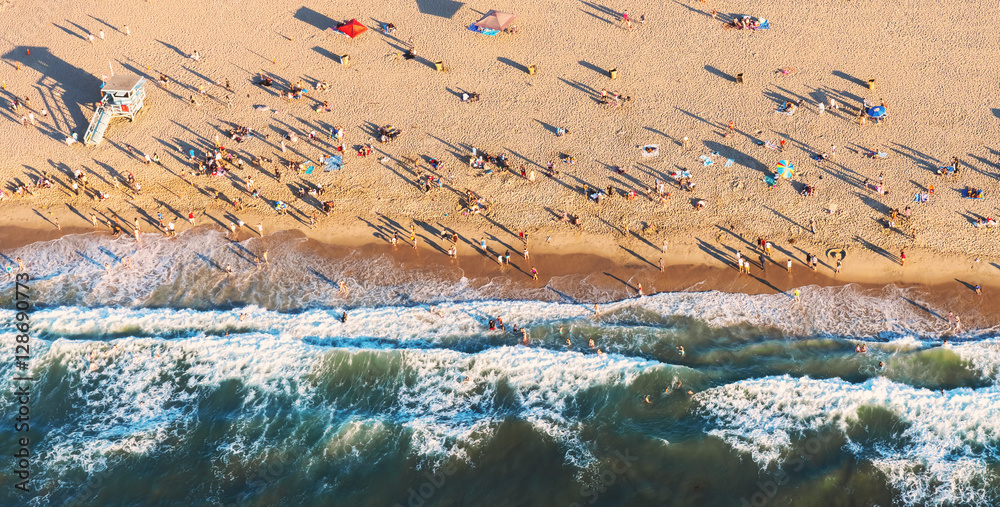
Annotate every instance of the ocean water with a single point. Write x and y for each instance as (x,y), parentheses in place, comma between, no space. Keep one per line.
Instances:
(171,383)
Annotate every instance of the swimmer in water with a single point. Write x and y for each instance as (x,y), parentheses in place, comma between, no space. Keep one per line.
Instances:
(680,348)
(881,365)
(599,352)
(568,344)
(647,400)
(343,318)
(591,343)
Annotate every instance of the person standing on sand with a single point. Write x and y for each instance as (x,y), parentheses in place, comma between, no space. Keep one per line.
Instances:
(812,225)
(260,229)
(93,220)
(534,273)
(20,265)
(977,288)
(902,258)
(191,217)
(839,266)
(795,295)
(664,247)
(788,265)
(661,264)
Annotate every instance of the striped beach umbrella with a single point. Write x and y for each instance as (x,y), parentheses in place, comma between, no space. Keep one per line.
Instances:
(784,169)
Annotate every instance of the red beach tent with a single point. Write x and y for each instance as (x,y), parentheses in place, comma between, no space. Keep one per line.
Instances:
(352,28)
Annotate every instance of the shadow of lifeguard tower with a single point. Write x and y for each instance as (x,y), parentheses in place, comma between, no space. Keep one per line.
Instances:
(122,97)
(66,90)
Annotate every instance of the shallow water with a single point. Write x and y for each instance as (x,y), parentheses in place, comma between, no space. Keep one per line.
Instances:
(171,383)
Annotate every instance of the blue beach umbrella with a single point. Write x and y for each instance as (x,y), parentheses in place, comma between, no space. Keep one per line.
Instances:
(784,169)
(876,112)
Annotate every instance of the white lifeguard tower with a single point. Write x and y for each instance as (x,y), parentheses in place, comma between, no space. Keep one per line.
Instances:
(122,96)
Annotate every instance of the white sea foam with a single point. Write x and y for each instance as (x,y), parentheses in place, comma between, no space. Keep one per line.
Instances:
(432,323)
(454,397)
(984,356)
(949,438)
(133,394)
(188,271)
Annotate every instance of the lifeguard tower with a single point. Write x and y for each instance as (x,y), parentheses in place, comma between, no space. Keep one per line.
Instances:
(122,96)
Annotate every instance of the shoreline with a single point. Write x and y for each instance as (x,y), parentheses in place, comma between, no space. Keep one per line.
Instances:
(583,274)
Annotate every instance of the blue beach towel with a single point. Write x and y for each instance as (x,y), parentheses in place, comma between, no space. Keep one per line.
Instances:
(484,31)
(333,163)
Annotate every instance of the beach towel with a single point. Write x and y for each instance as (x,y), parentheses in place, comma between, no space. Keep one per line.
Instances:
(968,195)
(484,31)
(729,163)
(708,161)
(770,180)
(651,150)
(309,170)
(769,144)
(333,163)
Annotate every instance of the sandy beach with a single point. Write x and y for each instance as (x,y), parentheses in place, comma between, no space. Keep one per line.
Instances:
(678,68)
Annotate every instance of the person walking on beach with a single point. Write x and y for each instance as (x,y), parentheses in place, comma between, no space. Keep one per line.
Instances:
(534,273)
(20,264)
(902,257)
(661,264)
(839,266)
(191,217)
(795,295)
(812,225)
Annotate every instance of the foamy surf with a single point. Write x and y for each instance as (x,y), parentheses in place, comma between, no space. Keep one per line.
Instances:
(941,452)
